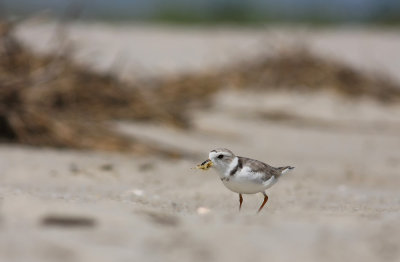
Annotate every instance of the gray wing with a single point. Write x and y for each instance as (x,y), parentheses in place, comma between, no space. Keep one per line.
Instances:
(260,167)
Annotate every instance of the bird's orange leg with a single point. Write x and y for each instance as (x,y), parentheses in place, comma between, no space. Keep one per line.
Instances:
(265,201)
(240,201)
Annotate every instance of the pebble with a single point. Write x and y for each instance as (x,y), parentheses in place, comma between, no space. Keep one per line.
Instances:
(203,211)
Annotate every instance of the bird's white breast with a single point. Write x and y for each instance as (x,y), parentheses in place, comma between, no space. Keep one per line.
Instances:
(247,182)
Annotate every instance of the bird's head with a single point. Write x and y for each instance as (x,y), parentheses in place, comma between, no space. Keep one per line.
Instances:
(221,158)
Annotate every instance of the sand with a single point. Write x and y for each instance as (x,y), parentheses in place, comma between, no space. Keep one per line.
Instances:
(135,50)
(341,202)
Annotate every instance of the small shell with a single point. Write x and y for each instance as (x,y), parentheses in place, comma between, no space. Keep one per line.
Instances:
(137,192)
(203,211)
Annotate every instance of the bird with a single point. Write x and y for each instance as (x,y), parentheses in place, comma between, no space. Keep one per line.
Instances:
(243,175)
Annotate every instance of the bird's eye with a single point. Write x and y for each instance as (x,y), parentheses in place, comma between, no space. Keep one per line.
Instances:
(221,156)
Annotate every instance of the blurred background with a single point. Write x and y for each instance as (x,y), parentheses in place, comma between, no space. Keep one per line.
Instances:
(106,107)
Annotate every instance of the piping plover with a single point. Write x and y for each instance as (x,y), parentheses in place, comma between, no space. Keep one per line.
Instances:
(243,175)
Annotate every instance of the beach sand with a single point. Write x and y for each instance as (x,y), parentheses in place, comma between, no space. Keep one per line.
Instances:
(340,203)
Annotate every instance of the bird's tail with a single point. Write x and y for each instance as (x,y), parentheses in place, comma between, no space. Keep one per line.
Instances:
(285,169)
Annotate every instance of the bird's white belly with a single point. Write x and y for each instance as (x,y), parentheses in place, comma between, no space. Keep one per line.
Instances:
(243,187)
(247,184)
